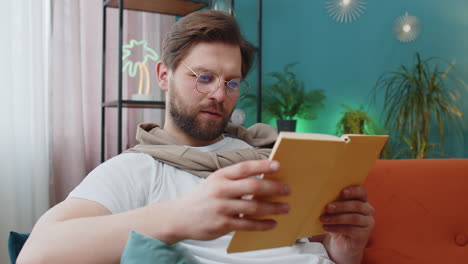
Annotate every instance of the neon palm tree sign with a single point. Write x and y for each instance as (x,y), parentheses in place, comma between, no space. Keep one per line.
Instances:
(133,66)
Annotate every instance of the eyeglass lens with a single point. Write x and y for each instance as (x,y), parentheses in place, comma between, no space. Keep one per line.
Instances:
(235,88)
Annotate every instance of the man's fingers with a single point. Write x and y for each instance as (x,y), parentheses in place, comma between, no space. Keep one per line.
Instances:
(249,168)
(251,208)
(246,224)
(317,238)
(241,181)
(342,229)
(354,193)
(347,219)
(351,206)
(251,186)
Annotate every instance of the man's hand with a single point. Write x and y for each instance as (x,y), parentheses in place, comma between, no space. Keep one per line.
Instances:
(213,208)
(350,221)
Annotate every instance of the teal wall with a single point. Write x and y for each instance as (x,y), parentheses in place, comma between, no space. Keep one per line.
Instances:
(346,59)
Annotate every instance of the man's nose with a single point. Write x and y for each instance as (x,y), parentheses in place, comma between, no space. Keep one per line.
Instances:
(219,93)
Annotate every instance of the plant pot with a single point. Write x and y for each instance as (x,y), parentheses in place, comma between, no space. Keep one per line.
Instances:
(286,125)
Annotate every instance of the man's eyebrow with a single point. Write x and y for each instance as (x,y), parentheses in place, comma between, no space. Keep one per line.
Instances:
(201,69)
(235,76)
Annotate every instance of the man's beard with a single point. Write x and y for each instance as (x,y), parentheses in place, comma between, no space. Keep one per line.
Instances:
(186,119)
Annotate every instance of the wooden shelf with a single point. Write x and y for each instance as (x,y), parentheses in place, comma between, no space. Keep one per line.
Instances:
(136,104)
(170,7)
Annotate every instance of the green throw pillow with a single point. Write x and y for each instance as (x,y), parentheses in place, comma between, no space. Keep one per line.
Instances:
(141,249)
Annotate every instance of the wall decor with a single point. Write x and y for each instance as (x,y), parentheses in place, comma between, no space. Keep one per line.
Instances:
(345,11)
(139,65)
(407,28)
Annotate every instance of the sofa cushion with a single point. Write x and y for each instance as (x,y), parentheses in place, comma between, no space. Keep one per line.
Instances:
(421,211)
(15,244)
(142,249)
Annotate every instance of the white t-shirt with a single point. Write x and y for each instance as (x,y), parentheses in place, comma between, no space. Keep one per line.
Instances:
(133,180)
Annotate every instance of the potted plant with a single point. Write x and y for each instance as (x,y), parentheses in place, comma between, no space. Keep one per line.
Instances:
(287,99)
(355,121)
(417,98)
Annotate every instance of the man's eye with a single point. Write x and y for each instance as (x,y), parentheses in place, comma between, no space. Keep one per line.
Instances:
(206,77)
(233,84)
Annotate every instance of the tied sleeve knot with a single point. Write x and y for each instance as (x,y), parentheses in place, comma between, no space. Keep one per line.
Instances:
(156,142)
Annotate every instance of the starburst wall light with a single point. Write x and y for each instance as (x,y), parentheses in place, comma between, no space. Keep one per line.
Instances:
(407,28)
(345,11)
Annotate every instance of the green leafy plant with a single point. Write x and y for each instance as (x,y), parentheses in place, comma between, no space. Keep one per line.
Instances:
(356,121)
(417,98)
(287,97)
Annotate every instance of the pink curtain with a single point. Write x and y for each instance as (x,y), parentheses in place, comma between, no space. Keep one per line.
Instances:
(75,91)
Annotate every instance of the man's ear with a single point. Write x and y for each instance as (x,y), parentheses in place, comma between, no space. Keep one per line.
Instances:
(162,73)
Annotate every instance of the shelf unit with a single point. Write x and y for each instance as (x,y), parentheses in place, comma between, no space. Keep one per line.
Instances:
(169,7)
(135,104)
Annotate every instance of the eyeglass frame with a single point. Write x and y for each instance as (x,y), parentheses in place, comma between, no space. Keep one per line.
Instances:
(217,86)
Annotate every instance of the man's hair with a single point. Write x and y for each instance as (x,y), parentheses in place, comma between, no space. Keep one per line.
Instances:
(204,26)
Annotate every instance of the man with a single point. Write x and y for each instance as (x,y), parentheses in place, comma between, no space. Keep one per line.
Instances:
(204,60)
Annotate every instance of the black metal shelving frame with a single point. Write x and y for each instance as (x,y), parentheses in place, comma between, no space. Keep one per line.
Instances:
(119,104)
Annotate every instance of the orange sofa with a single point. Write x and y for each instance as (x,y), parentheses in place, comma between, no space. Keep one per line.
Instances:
(421,212)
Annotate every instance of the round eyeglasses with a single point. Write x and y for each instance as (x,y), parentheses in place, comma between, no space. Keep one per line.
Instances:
(208,82)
